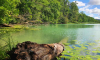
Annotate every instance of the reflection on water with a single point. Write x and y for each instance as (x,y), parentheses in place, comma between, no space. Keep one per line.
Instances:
(55,33)
(71,33)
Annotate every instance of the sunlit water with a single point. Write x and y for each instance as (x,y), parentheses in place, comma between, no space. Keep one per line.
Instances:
(71,33)
(55,33)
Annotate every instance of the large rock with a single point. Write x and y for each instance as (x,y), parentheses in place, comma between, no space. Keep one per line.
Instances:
(33,51)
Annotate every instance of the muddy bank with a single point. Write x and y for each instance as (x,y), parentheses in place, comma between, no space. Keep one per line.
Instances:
(33,51)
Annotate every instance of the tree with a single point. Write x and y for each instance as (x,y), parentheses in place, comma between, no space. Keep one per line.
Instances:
(64,11)
(41,11)
(73,12)
(8,10)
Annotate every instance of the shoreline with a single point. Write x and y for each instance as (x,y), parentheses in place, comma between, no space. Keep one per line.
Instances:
(28,24)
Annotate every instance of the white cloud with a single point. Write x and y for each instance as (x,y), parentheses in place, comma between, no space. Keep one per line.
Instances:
(87,10)
(91,15)
(96,10)
(84,8)
(94,2)
(96,17)
(99,14)
(79,3)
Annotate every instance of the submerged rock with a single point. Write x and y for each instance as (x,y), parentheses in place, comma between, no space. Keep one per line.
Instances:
(33,51)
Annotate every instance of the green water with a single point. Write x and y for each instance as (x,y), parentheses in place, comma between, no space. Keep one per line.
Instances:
(78,35)
(55,33)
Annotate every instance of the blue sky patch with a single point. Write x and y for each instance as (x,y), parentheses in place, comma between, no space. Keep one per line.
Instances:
(89,7)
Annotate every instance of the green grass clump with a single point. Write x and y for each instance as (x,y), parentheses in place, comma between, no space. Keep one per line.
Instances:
(3,54)
(7,43)
(4,49)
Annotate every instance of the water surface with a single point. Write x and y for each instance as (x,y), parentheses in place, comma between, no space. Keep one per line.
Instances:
(75,34)
(55,33)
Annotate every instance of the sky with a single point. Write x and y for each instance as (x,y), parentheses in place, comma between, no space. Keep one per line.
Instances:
(89,7)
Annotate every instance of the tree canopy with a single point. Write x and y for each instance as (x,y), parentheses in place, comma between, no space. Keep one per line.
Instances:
(41,11)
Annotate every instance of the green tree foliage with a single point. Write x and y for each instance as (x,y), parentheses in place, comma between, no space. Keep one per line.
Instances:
(41,11)
(73,16)
(64,11)
(54,11)
(8,10)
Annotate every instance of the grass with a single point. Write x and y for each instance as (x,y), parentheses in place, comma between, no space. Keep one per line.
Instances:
(3,54)
(7,42)
(9,45)
(25,27)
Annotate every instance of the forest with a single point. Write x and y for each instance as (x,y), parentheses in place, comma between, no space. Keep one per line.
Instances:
(42,11)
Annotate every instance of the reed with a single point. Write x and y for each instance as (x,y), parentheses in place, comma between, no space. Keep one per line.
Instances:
(3,50)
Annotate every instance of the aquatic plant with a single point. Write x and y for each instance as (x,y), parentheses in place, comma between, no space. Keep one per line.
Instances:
(80,52)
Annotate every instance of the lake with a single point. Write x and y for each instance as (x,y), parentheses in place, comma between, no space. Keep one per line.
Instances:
(75,34)
(54,33)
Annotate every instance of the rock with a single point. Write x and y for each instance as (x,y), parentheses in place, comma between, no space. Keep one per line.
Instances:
(33,51)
